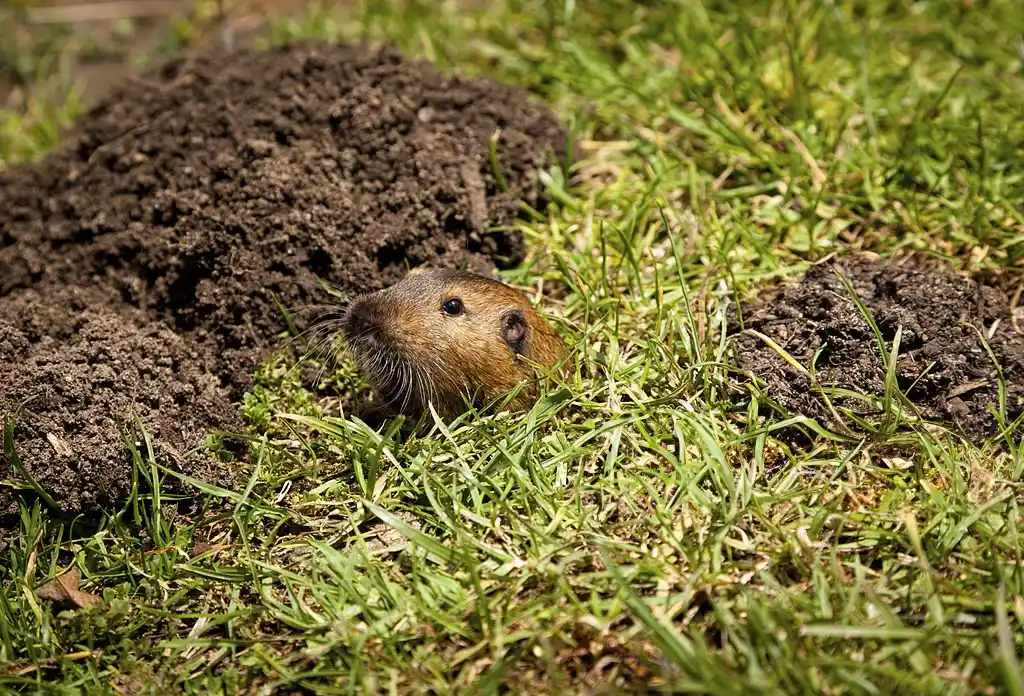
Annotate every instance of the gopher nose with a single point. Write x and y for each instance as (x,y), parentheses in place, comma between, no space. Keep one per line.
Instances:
(363,326)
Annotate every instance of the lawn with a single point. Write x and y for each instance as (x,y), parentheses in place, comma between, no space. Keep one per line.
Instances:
(651,523)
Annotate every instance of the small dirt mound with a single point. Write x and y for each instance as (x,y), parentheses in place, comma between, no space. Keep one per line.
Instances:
(204,190)
(189,203)
(76,371)
(943,367)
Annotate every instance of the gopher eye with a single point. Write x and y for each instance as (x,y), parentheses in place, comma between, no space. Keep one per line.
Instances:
(453,307)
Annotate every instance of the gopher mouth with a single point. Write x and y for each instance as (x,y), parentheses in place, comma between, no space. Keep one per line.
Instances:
(382,364)
(397,381)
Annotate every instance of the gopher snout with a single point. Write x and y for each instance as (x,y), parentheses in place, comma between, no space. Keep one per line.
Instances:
(363,327)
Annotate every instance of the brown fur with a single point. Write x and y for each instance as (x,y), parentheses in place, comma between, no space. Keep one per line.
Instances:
(416,353)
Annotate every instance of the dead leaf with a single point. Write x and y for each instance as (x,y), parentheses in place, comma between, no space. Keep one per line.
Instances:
(60,446)
(64,589)
(202,547)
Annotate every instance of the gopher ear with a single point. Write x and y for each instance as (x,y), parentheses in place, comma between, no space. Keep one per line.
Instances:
(514,330)
(417,270)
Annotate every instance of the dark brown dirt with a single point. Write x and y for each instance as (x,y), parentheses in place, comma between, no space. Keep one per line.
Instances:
(184,203)
(942,368)
(75,371)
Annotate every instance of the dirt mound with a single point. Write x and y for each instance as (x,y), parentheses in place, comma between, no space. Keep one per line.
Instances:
(186,203)
(216,183)
(943,367)
(75,370)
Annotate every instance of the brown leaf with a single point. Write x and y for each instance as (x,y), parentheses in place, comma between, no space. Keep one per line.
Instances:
(64,589)
(201,547)
(60,446)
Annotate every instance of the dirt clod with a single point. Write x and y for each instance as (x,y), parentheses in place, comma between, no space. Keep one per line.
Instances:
(141,264)
(943,367)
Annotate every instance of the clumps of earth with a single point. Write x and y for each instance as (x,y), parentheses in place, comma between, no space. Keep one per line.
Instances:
(144,264)
(943,366)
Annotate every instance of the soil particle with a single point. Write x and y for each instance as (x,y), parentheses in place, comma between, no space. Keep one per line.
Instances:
(943,367)
(142,263)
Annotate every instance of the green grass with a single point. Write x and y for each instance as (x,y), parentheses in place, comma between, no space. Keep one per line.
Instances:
(27,64)
(641,525)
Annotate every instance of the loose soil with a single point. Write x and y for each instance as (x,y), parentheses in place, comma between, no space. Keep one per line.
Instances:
(76,372)
(943,367)
(142,265)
